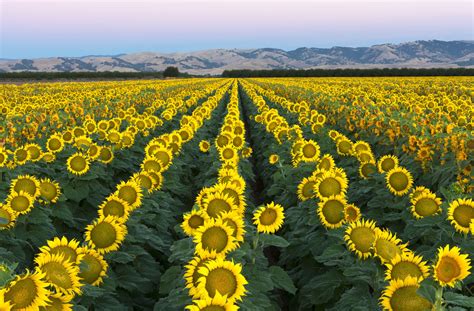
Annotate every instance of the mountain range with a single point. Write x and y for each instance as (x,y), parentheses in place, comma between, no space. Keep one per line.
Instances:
(416,54)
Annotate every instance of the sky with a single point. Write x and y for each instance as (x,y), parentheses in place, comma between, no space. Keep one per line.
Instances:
(46,28)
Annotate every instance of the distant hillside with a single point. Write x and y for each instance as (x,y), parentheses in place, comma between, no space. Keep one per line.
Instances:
(417,54)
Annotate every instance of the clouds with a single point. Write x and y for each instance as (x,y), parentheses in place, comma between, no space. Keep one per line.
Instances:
(74,28)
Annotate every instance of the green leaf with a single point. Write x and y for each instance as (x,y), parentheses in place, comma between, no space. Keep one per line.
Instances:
(459,300)
(274,240)
(121,257)
(76,194)
(428,290)
(170,279)
(281,279)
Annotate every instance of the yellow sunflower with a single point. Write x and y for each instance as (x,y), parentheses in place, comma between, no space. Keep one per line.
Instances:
(329,184)
(310,151)
(66,248)
(92,266)
(21,156)
(360,236)
(192,275)
(48,157)
(105,234)
(228,153)
(49,190)
(326,163)
(351,213)
(27,292)
(3,157)
(213,238)
(34,152)
(234,192)
(217,303)
(78,164)
(331,211)
(451,266)
(152,164)
(26,183)
(204,145)
(461,214)
(387,163)
(247,152)
(427,204)
(366,169)
(115,206)
(223,277)
(417,191)
(399,180)
(106,155)
(216,203)
(58,301)
(406,265)
(55,144)
(344,146)
(20,202)
(402,295)
(193,220)
(145,180)
(387,246)
(306,188)
(130,192)
(273,159)
(269,218)
(4,305)
(7,217)
(62,274)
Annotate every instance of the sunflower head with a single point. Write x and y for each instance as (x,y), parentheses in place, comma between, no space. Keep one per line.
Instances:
(309,151)
(192,275)
(213,238)
(204,145)
(269,218)
(402,295)
(387,163)
(217,303)
(26,183)
(399,181)
(306,188)
(62,274)
(329,184)
(366,169)
(351,213)
(7,217)
(387,246)
(217,203)
(451,266)
(326,163)
(130,192)
(49,190)
(273,159)
(331,211)
(78,164)
(105,234)
(116,207)
(193,220)
(360,237)
(62,246)
(55,144)
(426,204)
(20,202)
(28,291)
(58,301)
(461,214)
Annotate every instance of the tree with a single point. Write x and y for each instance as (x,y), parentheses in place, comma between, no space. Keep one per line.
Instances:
(171,72)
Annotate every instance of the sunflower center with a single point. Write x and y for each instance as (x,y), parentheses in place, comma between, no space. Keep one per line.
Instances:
(463,215)
(221,280)
(213,308)
(268,217)
(26,185)
(90,269)
(406,299)
(426,207)
(329,186)
(103,235)
(325,164)
(57,274)
(215,238)
(78,163)
(228,153)
(388,164)
(163,157)
(386,249)
(309,151)
(5,217)
(54,144)
(344,146)
(308,189)
(363,238)
(217,206)
(128,193)
(448,269)
(114,208)
(21,154)
(48,191)
(22,294)
(333,211)
(195,221)
(368,169)
(20,203)
(145,181)
(351,213)
(399,181)
(152,165)
(68,253)
(405,268)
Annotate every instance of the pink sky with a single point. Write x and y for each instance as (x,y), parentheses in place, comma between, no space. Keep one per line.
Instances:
(74,28)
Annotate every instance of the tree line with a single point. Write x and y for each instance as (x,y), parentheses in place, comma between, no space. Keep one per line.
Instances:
(376,72)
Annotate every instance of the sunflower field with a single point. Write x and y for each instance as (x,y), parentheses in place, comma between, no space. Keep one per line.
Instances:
(238,194)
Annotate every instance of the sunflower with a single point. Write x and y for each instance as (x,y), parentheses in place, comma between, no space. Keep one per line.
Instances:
(310,151)
(306,188)
(105,234)
(365,156)
(329,184)
(192,275)
(274,158)
(451,266)
(4,305)
(3,157)
(106,155)
(55,144)
(48,157)
(387,163)
(344,146)
(27,292)
(331,211)
(151,164)
(223,277)
(399,180)
(214,237)
(204,145)
(20,202)
(7,217)
(49,190)
(427,204)
(351,213)
(62,274)
(92,266)
(228,154)
(361,146)
(21,156)
(34,152)
(417,192)
(360,237)
(402,295)
(235,193)
(366,169)
(408,264)
(68,249)
(26,183)
(247,152)
(217,303)
(235,220)
(387,246)
(461,214)
(163,155)
(326,163)
(216,203)
(78,164)
(58,301)
(193,220)
(83,143)
(130,192)
(115,206)
(269,218)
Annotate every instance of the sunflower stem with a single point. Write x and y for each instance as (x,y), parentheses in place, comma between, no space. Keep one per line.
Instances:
(282,170)
(438,306)
(255,245)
